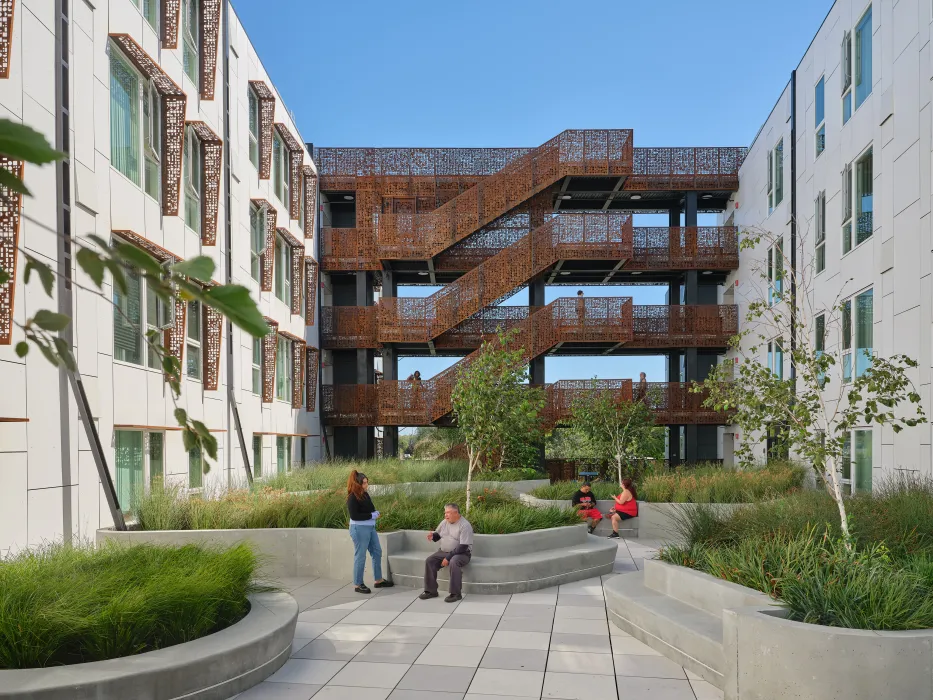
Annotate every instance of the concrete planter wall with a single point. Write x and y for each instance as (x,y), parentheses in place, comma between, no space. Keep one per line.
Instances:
(739,640)
(215,667)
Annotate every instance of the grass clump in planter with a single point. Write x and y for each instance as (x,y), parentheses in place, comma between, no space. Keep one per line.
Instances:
(494,511)
(792,550)
(67,605)
(564,490)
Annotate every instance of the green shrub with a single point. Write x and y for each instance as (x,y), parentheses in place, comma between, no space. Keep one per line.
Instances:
(67,605)
(333,475)
(494,512)
(564,490)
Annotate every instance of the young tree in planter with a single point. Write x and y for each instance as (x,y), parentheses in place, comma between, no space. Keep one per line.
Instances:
(493,404)
(620,431)
(834,382)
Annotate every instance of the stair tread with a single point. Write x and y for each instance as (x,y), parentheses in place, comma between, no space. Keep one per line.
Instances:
(527,557)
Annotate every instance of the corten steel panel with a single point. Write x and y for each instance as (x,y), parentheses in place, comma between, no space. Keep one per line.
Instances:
(349,327)
(155,250)
(298,371)
(352,404)
(267,259)
(210,35)
(173,338)
(173,119)
(298,267)
(266,118)
(413,162)
(311,285)
(560,396)
(685,248)
(169,21)
(212,158)
(681,169)
(296,165)
(312,358)
(10,209)
(687,326)
(593,236)
(6,35)
(348,249)
(269,350)
(213,325)
(310,185)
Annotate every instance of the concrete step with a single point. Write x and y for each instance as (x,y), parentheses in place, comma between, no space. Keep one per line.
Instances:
(683,633)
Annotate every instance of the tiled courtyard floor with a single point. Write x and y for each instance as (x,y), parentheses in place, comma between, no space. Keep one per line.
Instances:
(553,643)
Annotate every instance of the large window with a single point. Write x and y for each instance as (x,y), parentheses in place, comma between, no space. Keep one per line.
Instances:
(253,128)
(151,13)
(195,468)
(819,225)
(846,196)
(283,270)
(152,140)
(280,157)
(139,308)
(283,370)
(194,180)
(257,365)
(856,468)
(190,38)
(863,59)
(864,188)
(776,272)
(858,319)
(776,176)
(283,454)
(257,455)
(257,240)
(776,358)
(820,343)
(125,97)
(193,340)
(846,69)
(139,460)
(819,108)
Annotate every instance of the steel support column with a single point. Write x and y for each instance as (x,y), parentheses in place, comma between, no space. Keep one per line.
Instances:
(365,366)
(389,374)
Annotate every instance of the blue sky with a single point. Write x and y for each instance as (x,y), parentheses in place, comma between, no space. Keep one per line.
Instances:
(518,72)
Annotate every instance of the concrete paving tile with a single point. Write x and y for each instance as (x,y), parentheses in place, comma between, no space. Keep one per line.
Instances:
(311,630)
(632,688)
(576,662)
(420,619)
(341,692)
(515,659)
(370,617)
(385,603)
(390,652)
(630,645)
(468,607)
(472,622)
(439,655)
(585,643)
(332,649)
(310,671)
(573,626)
(488,598)
(646,666)
(706,691)
(496,681)
(291,583)
(430,678)
(525,624)
(433,605)
(513,610)
(362,674)
(334,603)
(297,644)
(462,638)
(572,686)
(616,631)
(575,613)
(535,598)
(279,691)
(581,601)
(406,635)
(323,615)
(400,694)
(590,586)
(520,640)
(352,633)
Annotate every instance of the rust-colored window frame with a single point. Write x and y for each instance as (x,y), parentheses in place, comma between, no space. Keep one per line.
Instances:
(7,8)
(298,261)
(174,101)
(269,350)
(312,361)
(211,339)
(296,156)
(267,262)
(311,285)
(266,119)
(208,38)
(298,367)
(211,169)
(310,199)
(10,214)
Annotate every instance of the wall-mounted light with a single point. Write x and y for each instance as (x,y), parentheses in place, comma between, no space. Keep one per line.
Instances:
(348,197)
(635,197)
(707,272)
(707,196)
(566,196)
(423,274)
(636,272)
(565,273)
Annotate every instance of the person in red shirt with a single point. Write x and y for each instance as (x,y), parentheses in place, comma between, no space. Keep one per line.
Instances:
(626,506)
(585,500)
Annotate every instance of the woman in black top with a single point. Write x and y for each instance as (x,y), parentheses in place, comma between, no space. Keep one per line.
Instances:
(363,516)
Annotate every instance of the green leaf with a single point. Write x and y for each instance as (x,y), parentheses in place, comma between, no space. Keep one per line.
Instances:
(234,302)
(46,350)
(117,272)
(46,276)
(200,268)
(64,352)
(11,182)
(21,142)
(90,262)
(138,258)
(22,348)
(190,439)
(50,321)
(181,415)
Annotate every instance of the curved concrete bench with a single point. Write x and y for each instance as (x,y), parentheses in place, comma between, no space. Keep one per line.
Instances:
(515,563)
(737,639)
(214,667)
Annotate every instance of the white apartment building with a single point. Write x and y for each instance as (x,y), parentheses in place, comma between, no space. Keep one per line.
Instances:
(848,144)
(177,142)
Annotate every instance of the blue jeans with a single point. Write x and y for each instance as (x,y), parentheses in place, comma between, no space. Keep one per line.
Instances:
(365,538)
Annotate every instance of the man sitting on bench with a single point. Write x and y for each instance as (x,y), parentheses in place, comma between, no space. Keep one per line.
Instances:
(585,500)
(455,535)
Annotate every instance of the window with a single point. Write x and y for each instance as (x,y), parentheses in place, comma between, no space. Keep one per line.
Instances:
(193,342)
(280,157)
(194,180)
(775,272)
(159,316)
(132,312)
(190,33)
(257,365)
(819,222)
(125,96)
(151,13)
(283,370)
(257,455)
(819,108)
(863,59)
(253,128)
(257,240)
(140,460)
(847,208)
(283,270)
(864,187)
(846,64)
(847,341)
(776,358)
(859,478)
(152,139)
(863,325)
(283,454)
(195,468)
(820,343)
(776,176)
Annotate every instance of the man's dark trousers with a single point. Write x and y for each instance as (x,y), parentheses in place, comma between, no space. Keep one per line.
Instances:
(433,563)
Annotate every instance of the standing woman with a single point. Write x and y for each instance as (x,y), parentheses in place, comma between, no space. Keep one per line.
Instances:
(626,506)
(363,515)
